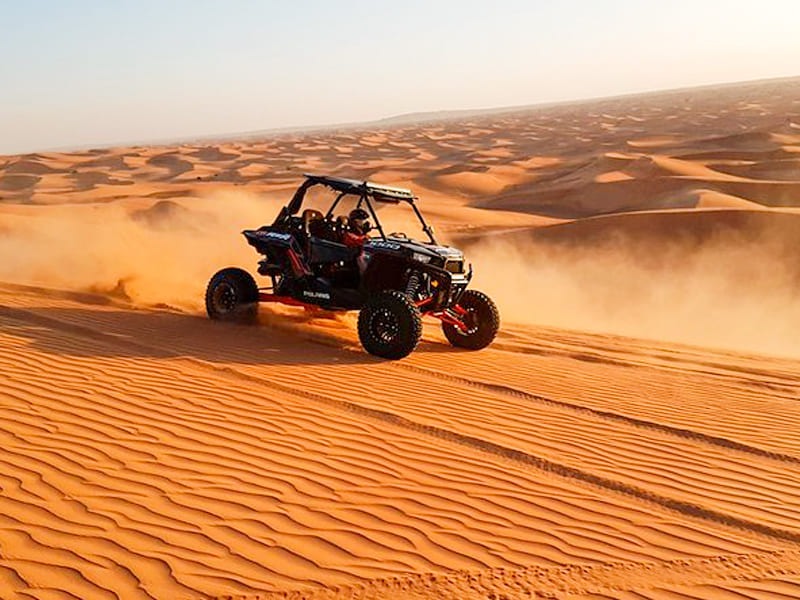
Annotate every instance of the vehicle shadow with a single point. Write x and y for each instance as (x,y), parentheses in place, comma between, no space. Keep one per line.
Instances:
(293,339)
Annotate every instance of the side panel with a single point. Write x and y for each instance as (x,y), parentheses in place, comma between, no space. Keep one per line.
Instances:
(263,239)
(385,271)
(325,251)
(279,248)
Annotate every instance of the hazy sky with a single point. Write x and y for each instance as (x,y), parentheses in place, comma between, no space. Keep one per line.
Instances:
(84,72)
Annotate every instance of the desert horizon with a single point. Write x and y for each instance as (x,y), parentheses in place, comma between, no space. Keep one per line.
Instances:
(392,120)
(630,433)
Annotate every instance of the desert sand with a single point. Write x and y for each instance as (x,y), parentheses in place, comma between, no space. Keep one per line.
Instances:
(632,433)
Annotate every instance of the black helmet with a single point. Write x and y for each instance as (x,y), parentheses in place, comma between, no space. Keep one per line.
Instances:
(359,221)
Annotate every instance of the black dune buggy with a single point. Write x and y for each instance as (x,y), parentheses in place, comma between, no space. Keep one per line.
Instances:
(392,279)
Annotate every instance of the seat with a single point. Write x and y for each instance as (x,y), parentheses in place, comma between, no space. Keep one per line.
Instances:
(311,220)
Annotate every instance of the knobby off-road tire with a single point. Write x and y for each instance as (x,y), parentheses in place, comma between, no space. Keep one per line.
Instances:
(232,295)
(482,318)
(389,325)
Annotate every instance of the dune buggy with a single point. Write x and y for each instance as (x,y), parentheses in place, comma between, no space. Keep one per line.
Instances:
(392,280)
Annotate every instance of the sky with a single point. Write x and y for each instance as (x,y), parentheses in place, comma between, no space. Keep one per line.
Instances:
(102,72)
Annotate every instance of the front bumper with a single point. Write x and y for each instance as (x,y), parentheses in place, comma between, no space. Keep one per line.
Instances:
(446,287)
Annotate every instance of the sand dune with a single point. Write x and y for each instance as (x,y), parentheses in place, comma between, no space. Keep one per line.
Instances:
(173,454)
(712,199)
(632,432)
(688,229)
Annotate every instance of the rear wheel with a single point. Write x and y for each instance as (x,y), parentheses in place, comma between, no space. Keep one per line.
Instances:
(232,295)
(481,318)
(389,325)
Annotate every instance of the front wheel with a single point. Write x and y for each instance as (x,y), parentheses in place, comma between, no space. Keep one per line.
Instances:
(481,318)
(389,325)
(232,295)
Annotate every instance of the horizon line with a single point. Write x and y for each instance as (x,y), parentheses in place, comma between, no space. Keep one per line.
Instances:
(410,118)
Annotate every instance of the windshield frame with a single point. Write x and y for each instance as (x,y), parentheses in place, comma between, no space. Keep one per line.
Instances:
(369,198)
(366,193)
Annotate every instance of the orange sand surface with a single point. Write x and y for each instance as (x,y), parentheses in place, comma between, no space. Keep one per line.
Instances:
(632,433)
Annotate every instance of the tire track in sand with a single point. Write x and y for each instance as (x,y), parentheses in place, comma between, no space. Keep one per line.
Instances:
(608,580)
(529,459)
(148,477)
(679,432)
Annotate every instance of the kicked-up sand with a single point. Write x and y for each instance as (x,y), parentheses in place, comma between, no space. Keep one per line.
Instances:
(632,432)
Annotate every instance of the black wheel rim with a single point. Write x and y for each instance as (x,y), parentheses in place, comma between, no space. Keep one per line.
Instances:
(224,298)
(384,326)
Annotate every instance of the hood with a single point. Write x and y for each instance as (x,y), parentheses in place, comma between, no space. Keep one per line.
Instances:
(409,246)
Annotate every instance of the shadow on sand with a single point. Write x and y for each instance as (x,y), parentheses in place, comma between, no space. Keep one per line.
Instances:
(293,339)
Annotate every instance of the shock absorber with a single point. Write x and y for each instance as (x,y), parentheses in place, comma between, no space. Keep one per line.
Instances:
(413,283)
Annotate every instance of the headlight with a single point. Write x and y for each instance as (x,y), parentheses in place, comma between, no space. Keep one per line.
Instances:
(420,257)
(454,266)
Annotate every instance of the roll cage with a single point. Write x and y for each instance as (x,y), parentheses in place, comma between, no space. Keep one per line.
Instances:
(366,191)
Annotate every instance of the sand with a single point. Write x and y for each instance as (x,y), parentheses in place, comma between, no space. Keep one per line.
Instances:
(631,433)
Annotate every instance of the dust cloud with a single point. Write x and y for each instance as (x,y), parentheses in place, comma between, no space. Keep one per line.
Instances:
(728,292)
(151,254)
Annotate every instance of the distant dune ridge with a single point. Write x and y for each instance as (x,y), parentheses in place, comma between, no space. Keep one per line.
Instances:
(631,434)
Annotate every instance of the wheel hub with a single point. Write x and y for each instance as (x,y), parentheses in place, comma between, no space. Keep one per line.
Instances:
(224,298)
(384,326)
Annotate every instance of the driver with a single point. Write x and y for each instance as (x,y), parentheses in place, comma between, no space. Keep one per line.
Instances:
(358,226)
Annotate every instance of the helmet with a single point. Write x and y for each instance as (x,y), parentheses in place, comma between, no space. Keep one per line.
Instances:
(359,221)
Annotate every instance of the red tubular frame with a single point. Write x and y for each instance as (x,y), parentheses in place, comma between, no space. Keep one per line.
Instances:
(459,310)
(423,302)
(288,300)
(445,316)
(297,265)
